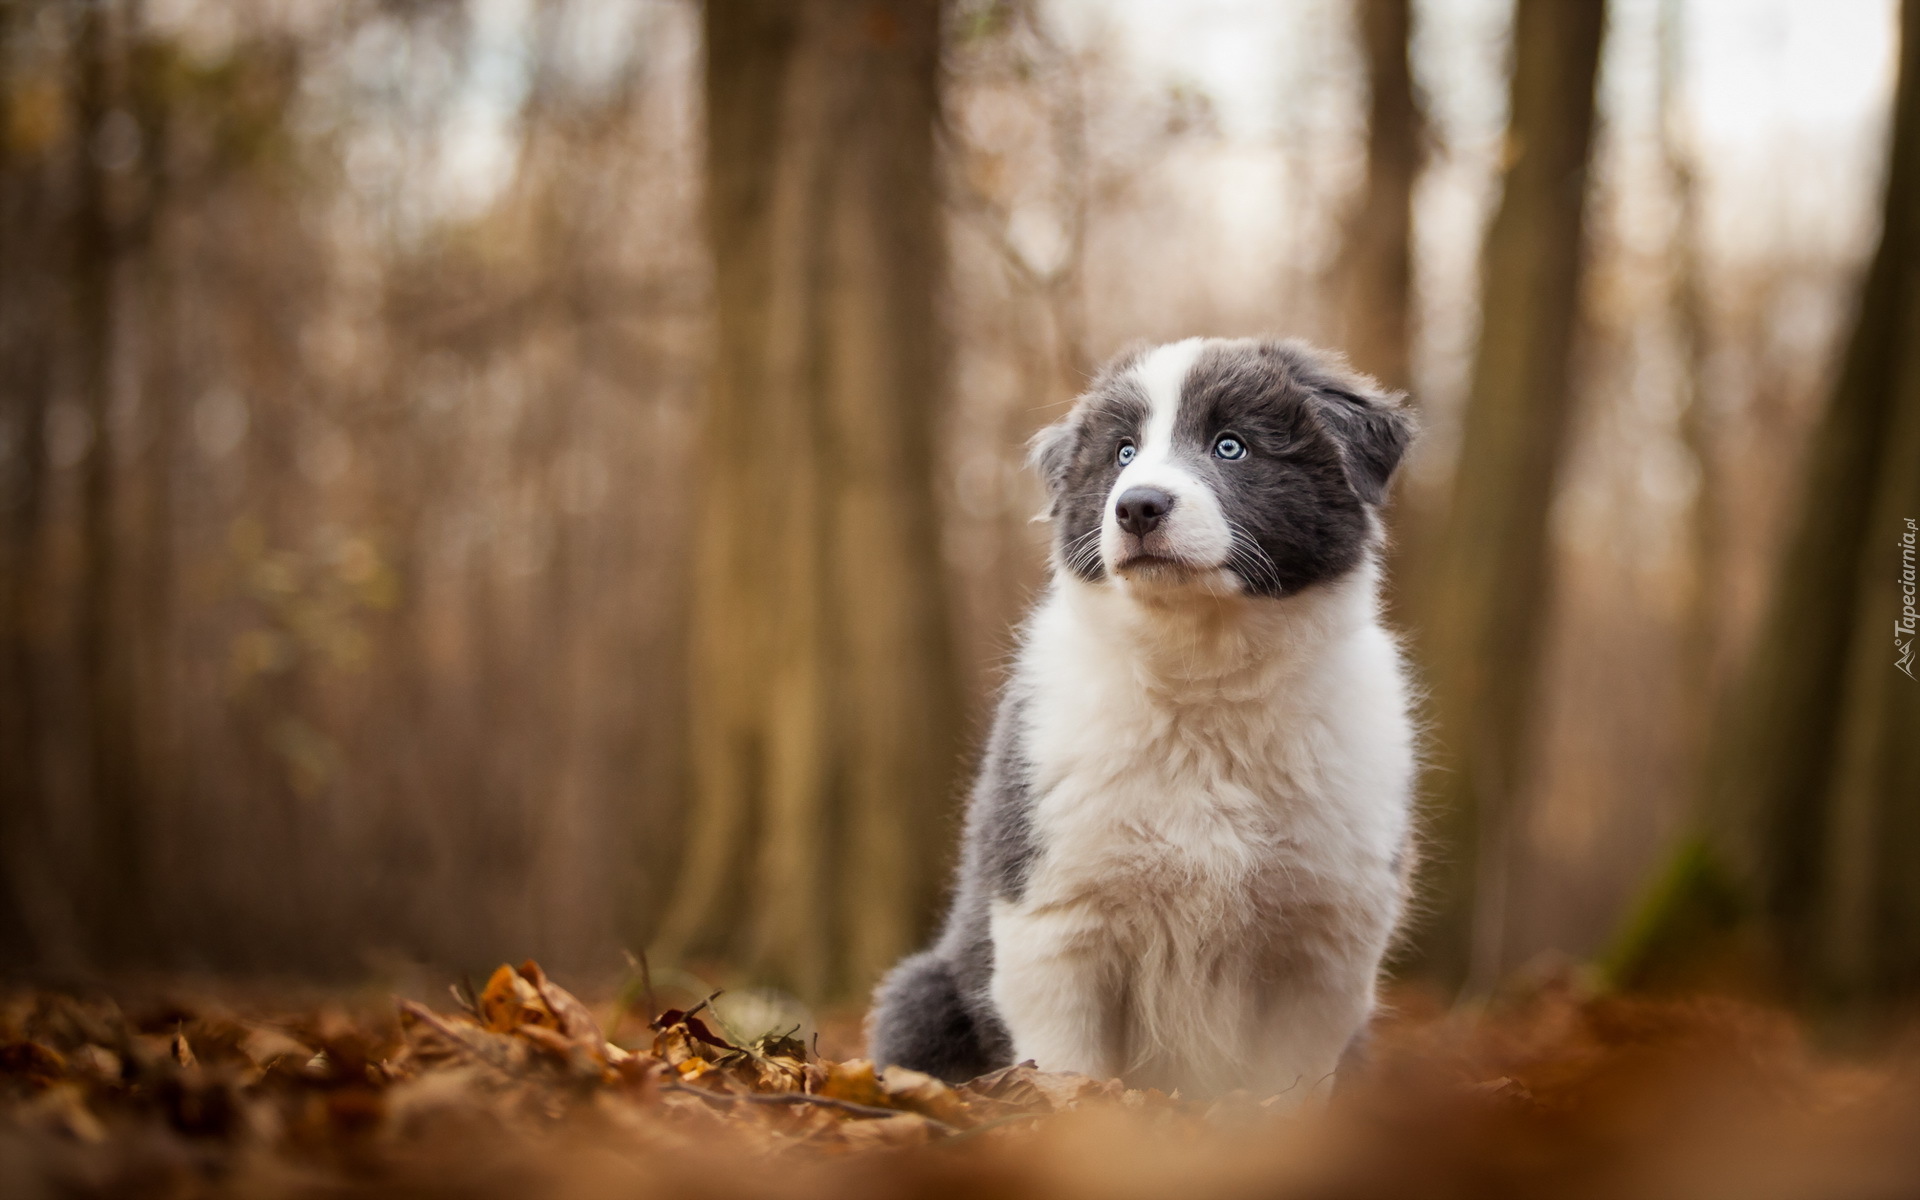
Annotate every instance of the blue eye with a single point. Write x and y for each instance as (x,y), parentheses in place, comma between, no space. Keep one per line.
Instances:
(1229,446)
(1126,453)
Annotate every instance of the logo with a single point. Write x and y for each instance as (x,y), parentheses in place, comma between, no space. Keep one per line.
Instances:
(1905,624)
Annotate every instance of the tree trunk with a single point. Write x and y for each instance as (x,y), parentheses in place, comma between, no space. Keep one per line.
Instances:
(155,740)
(1374,274)
(1810,816)
(822,685)
(114,893)
(1486,611)
(1377,258)
(23,397)
(1824,765)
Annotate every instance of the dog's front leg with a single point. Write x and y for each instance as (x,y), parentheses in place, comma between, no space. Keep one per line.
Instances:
(1054,988)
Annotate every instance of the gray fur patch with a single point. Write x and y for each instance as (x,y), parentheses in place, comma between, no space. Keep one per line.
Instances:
(1322,444)
(933,1013)
(1000,819)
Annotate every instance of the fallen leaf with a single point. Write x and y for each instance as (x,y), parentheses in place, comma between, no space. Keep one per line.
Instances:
(924,1094)
(573,1019)
(855,1081)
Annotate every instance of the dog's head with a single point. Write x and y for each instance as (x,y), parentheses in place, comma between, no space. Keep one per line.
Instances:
(1248,465)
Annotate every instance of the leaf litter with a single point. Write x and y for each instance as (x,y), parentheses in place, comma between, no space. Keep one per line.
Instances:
(515,1090)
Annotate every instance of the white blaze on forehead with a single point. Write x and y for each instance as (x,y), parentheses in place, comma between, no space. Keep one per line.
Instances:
(1196,529)
(1161,374)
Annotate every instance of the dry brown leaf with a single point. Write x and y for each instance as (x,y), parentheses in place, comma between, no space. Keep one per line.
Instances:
(900,1129)
(855,1081)
(63,1107)
(924,1094)
(510,1001)
(1024,1087)
(573,1019)
(777,1073)
(263,1045)
(40,1066)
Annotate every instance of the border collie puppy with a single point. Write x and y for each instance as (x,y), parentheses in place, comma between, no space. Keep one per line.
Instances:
(1187,849)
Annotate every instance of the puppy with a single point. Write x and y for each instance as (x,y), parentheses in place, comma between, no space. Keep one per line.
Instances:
(1186,851)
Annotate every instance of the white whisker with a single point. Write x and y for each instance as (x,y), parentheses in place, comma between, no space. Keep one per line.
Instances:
(1263,570)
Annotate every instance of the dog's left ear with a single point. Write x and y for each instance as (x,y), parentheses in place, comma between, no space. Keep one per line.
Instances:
(1374,429)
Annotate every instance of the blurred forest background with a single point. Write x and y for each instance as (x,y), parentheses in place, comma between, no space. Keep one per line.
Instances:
(491,478)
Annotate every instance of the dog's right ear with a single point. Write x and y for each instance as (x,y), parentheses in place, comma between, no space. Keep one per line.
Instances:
(1050,453)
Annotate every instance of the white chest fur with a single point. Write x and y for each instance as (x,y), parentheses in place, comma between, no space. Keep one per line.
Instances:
(1222,796)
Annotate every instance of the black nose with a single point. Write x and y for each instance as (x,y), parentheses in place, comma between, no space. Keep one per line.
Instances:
(1141,509)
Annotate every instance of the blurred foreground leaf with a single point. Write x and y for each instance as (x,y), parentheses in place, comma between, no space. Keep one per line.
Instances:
(1549,1092)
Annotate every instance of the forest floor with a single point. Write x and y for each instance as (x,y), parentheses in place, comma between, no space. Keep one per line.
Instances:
(513,1090)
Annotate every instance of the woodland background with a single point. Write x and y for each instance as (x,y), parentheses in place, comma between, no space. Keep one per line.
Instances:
(484,479)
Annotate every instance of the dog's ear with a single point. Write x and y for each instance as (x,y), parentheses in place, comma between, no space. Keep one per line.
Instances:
(1374,429)
(1050,453)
